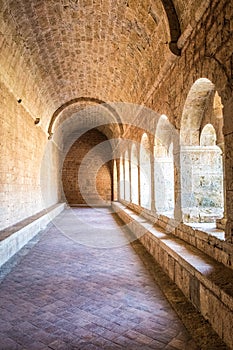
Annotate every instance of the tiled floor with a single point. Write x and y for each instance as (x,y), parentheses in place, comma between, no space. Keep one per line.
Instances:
(67,295)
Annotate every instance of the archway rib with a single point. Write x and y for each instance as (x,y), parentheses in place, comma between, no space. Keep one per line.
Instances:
(174,26)
(82,99)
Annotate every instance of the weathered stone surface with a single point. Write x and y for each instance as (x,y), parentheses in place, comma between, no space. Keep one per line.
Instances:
(87,179)
(58,58)
(206,283)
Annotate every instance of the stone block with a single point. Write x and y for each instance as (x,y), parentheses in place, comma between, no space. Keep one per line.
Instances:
(19,235)
(194,287)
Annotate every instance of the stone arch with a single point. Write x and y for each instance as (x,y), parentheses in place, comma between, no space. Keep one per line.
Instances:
(194,109)
(208,136)
(218,119)
(145,172)
(174,26)
(78,100)
(164,167)
(201,160)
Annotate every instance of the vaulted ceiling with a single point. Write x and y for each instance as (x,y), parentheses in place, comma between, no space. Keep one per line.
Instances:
(52,52)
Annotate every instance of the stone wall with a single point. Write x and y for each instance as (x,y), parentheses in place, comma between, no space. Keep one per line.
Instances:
(42,66)
(202,280)
(23,147)
(96,184)
(206,52)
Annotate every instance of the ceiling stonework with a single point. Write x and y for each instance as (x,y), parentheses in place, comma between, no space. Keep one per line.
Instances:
(55,51)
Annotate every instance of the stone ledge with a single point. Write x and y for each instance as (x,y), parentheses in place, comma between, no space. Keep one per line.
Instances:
(207,283)
(210,241)
(13,238)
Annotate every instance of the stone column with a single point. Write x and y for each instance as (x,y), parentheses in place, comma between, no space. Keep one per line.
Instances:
(229,187)
(130,178)
(123,162)
(152,182)
(221,223)
(118,178)
(178,215)
(139,182)
(228,141)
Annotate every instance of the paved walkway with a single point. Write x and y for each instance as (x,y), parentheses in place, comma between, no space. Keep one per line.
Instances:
(67,295)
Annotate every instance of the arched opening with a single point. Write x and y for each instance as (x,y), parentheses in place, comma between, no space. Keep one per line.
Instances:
(164,177)
(164,166)
(202,189)
(209,182)
(87,179)
(134,175)
(208,136)
(115,181)
(127,180)
(111,111)
(145,172)
(122,179)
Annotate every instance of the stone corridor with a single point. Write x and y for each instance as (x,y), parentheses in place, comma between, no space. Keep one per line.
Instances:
(67,295)
(125,104)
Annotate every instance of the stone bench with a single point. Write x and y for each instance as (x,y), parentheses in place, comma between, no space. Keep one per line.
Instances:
(13,238)
(208,284)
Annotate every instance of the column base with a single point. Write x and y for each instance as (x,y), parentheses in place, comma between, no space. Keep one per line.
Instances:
(221,223)
(229,231)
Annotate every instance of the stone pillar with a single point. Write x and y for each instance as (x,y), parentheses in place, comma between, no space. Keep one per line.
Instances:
(164,183)
(130,178)
(152,182)
(221,223)
(139,182)
(115,181)
(178,215)
(123,162)
(229,187)
(228,142)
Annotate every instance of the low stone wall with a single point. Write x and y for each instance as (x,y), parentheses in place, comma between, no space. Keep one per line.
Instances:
(210,242)
(15,237)
(207,283)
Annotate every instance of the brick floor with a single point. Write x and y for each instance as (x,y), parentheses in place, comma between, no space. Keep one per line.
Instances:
(67,295)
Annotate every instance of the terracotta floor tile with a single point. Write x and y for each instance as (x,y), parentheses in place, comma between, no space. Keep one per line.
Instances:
(67,295)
